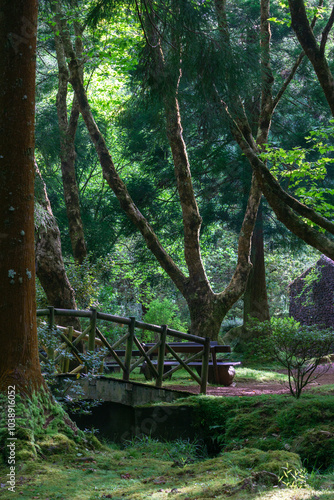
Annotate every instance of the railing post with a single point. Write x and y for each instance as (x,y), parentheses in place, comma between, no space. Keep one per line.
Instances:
(67,359)
(128,348)
(91,336)
(205,366)
(161,355)
(50,350)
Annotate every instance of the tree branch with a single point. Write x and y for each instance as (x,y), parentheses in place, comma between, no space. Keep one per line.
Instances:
(325,32)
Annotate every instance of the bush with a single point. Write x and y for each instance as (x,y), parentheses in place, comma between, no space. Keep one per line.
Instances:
(164,312)
(300,349)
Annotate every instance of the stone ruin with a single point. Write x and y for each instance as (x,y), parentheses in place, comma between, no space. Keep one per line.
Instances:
(312,295)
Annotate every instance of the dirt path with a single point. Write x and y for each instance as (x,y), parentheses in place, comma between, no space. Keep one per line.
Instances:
(256,388)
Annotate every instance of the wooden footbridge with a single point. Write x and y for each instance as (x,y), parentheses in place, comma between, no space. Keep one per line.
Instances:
(159,359)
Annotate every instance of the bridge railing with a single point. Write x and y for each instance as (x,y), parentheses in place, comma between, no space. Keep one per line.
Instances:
(95,338)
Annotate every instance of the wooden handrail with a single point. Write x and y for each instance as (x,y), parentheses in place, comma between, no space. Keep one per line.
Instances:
(201,346)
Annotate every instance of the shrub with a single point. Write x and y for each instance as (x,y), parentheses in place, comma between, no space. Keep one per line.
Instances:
(300,349)
(164,312)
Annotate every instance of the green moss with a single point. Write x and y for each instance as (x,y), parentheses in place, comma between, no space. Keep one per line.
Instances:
(56,444)
(316,447)
(258,460)
(42,426)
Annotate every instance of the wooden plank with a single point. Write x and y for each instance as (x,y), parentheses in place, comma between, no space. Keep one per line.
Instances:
(161,355)
(182,365)
(120,341)
(113,318)
(73,348)
(72,312)
(50,351)
(67,360)
(91,335)
(186,336)
(144,357)
(112,352)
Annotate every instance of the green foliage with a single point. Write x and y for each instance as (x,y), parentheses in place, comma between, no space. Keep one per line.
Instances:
(84,283)
(164,312)
(299,349)
(303,169)
(294,479)
(66,390)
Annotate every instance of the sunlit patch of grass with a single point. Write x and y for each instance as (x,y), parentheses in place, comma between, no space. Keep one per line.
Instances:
(244,374)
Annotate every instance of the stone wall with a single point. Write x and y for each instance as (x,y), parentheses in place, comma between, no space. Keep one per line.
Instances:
(312,295)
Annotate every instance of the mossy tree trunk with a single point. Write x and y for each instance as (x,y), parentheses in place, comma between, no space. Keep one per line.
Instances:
(36,413)
(50,266)
(18,332)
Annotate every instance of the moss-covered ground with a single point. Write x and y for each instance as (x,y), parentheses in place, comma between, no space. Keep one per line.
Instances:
(149,469)
(267,447)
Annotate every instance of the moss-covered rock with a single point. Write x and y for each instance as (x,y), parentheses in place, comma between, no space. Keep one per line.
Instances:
(316,447)
(57,444)
(258,460)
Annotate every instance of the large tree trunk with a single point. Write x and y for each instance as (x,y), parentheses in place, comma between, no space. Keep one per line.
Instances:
(23,393)
(18,332)
(50,267)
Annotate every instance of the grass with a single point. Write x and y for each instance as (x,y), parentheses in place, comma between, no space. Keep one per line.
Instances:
(146,468)
(260,375)
(264,374)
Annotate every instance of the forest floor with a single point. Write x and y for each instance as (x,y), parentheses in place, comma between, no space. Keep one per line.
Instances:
(245,387)
(145,468)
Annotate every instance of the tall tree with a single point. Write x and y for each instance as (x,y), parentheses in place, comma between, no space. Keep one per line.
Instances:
(20,371)
(19,352)
(67,123)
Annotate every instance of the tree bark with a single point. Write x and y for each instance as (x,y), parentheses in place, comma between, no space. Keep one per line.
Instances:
(50,267)
(67,128)
(281,202)
(19,365)
(255,296)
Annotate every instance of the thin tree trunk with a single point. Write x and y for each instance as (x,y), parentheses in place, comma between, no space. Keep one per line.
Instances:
(67,127)
(255,296)
(19,364)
